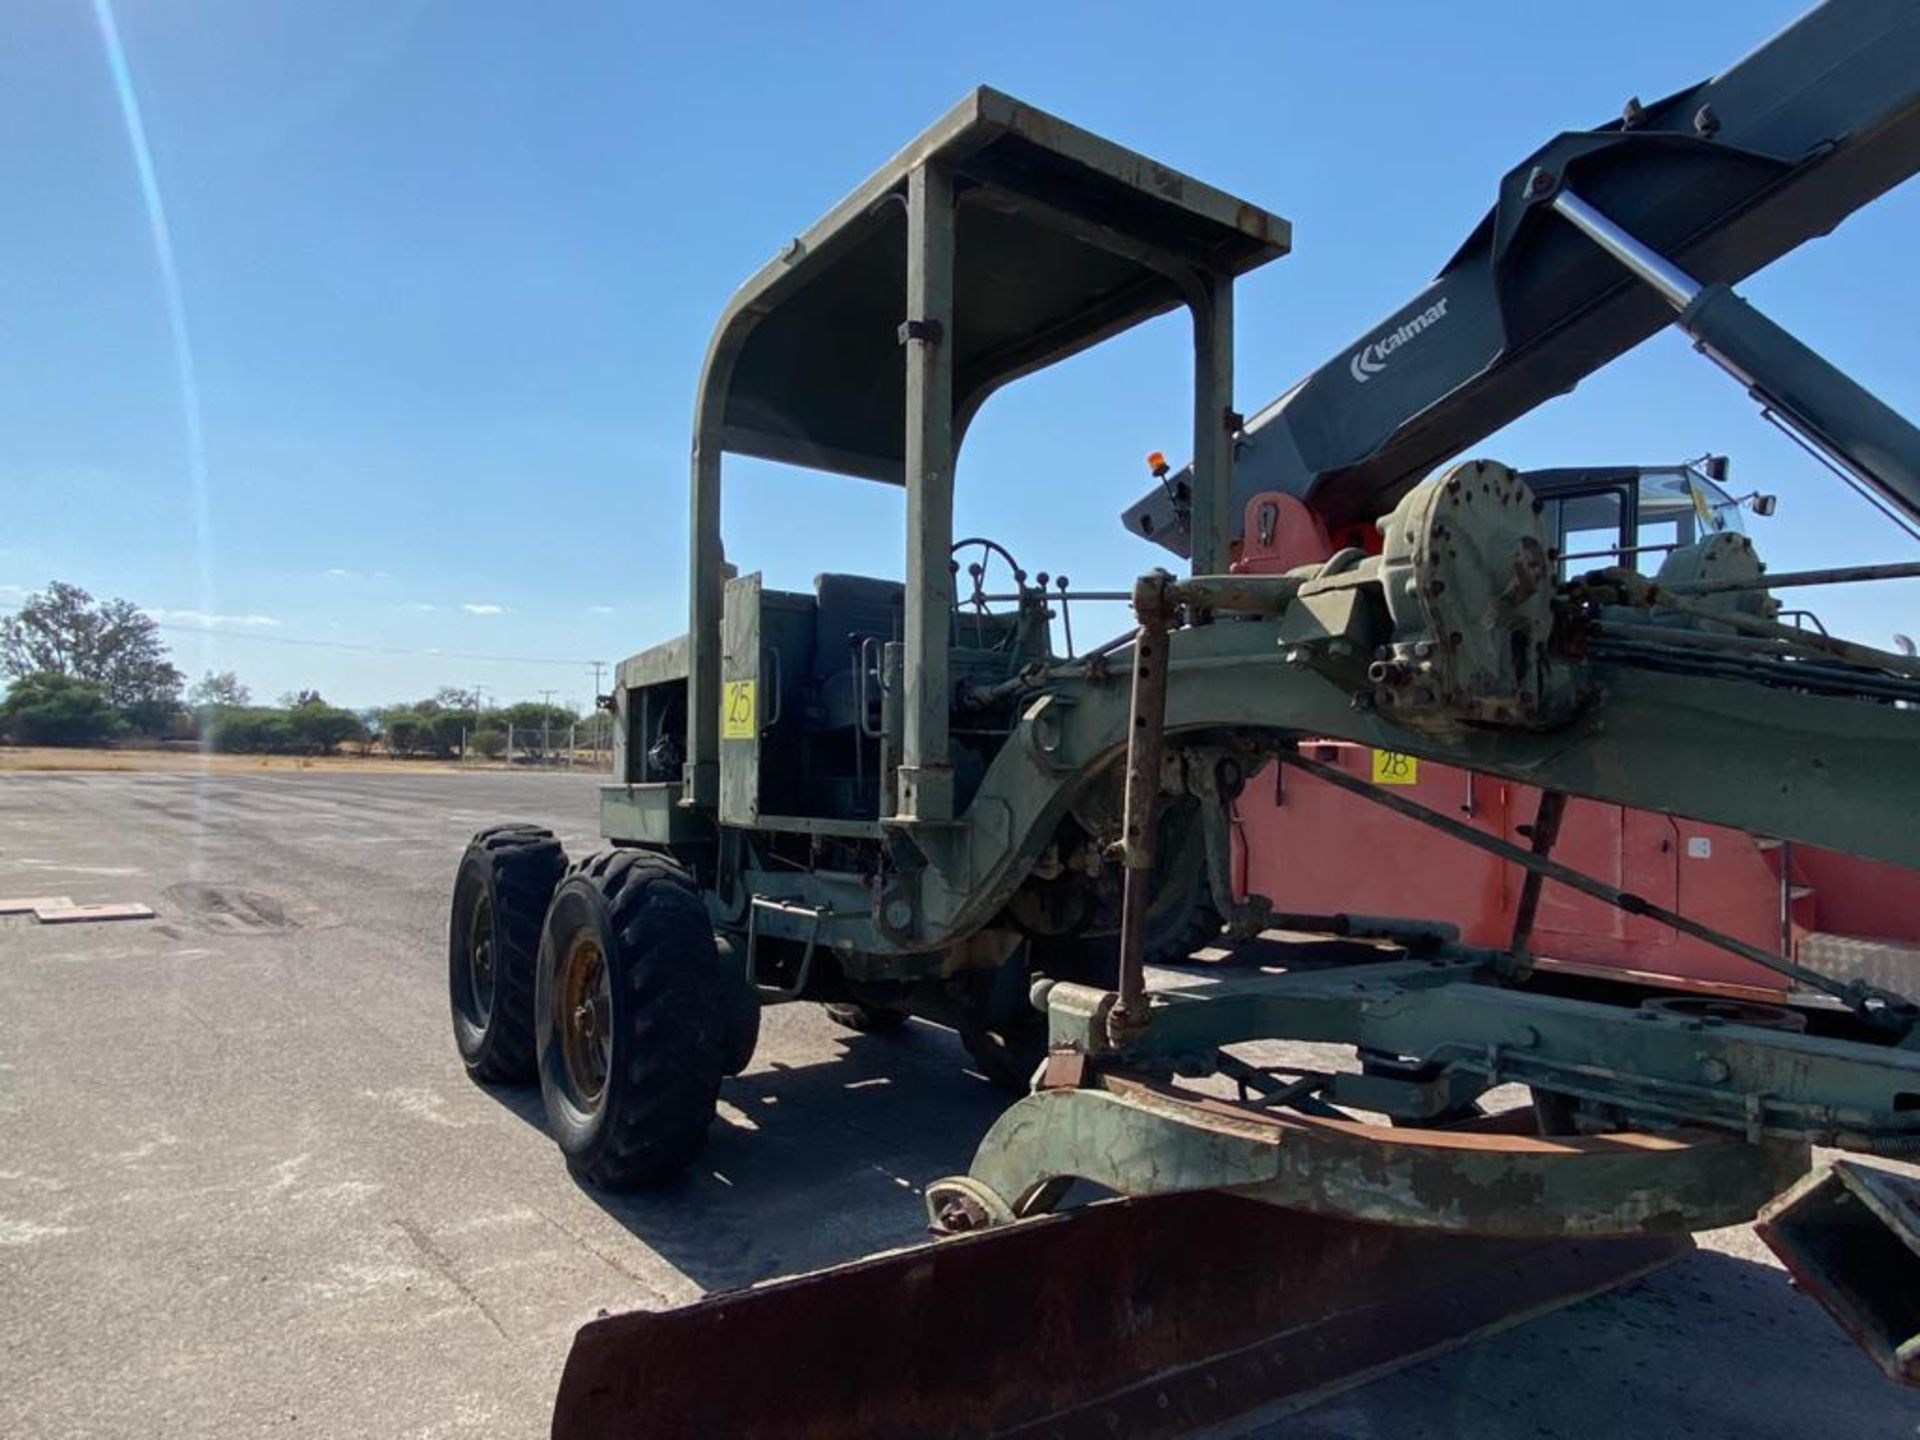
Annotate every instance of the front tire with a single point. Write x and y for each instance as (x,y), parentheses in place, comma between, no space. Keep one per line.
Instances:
(631,1029)
(500,895)
(1181,916)
(999,1027)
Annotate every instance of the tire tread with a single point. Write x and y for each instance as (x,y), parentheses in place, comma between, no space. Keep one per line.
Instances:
(672,1031)
(524,864)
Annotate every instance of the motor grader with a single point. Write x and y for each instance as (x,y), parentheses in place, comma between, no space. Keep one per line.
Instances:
(902,798)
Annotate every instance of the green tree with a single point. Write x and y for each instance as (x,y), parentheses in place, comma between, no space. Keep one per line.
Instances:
(47,708)
(532,715)
(405,730)
(221,689)
(318,728)
(247,730)
(112,644)
(449,729)
(535,724)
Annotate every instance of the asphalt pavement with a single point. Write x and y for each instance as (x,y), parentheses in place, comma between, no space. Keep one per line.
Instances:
(246,1188)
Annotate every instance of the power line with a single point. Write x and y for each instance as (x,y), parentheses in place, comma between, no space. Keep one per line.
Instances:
(372,649)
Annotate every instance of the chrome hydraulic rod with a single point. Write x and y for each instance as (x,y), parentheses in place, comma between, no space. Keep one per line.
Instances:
(1668,280)
(1826,408)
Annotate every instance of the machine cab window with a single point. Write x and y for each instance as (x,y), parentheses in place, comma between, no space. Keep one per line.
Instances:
(1635,516)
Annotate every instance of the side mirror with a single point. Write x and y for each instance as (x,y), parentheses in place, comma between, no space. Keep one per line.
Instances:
(1764,505)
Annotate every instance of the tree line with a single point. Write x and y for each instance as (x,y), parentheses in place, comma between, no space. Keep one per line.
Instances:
(88,672)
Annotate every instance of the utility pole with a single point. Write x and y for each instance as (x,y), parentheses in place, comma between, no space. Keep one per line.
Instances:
(598,728)
(479,714)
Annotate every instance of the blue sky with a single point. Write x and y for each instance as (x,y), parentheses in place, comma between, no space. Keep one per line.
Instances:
(447,273)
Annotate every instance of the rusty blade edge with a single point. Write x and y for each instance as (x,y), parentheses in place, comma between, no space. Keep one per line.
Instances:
(1287,1372)
(1185,1310)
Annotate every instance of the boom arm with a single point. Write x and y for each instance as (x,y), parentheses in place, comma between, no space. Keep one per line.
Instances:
(1722,179)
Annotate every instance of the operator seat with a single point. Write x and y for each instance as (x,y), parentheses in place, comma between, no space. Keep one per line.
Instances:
(849,610)
(852,609)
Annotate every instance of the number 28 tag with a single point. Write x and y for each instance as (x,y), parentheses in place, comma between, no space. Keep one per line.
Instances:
(1390,767)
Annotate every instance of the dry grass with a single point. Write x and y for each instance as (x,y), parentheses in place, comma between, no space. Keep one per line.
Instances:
(48,757)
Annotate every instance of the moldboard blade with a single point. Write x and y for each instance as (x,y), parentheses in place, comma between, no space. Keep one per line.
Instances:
(1142,1318)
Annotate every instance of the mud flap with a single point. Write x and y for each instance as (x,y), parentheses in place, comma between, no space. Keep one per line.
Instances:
(1130,1317)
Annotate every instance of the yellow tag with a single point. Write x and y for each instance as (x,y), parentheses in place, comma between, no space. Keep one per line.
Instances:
(1390,767)
(736,711)
(1700,505)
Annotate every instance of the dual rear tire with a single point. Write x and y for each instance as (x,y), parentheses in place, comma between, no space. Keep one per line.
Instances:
(604,984)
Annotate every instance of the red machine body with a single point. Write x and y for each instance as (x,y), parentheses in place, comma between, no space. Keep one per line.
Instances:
(1310,848)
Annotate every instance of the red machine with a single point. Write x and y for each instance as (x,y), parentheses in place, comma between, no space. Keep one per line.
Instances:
(1308,847)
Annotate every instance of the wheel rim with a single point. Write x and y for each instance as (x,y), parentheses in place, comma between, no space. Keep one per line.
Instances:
(583,1018)
(482,974)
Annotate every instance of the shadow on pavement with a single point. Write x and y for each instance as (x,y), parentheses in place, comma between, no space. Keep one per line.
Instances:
(810,1165)
(1716,1345)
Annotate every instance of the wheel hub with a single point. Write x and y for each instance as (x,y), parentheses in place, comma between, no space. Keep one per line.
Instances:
(583,1006)
(480,961)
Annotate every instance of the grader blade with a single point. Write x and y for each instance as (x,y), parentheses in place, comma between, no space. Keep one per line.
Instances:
(1132,1317)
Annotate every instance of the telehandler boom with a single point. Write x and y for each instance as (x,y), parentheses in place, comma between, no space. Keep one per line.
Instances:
(1663,208)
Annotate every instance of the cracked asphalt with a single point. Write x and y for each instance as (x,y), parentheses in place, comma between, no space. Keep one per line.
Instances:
(246,1189)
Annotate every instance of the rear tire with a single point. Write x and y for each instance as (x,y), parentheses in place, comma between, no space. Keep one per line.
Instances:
(630,1019)
(500,894)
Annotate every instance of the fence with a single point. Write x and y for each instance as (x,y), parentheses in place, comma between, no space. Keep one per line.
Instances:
(583,745)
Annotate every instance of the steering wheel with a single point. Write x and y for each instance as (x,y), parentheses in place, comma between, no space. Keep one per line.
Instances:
(977,571)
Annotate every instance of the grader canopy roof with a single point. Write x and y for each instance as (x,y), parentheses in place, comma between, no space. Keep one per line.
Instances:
(1062,239)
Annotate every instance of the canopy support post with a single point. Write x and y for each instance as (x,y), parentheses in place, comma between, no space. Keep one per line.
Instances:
(1214,423)
(926,774)
(706,581)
